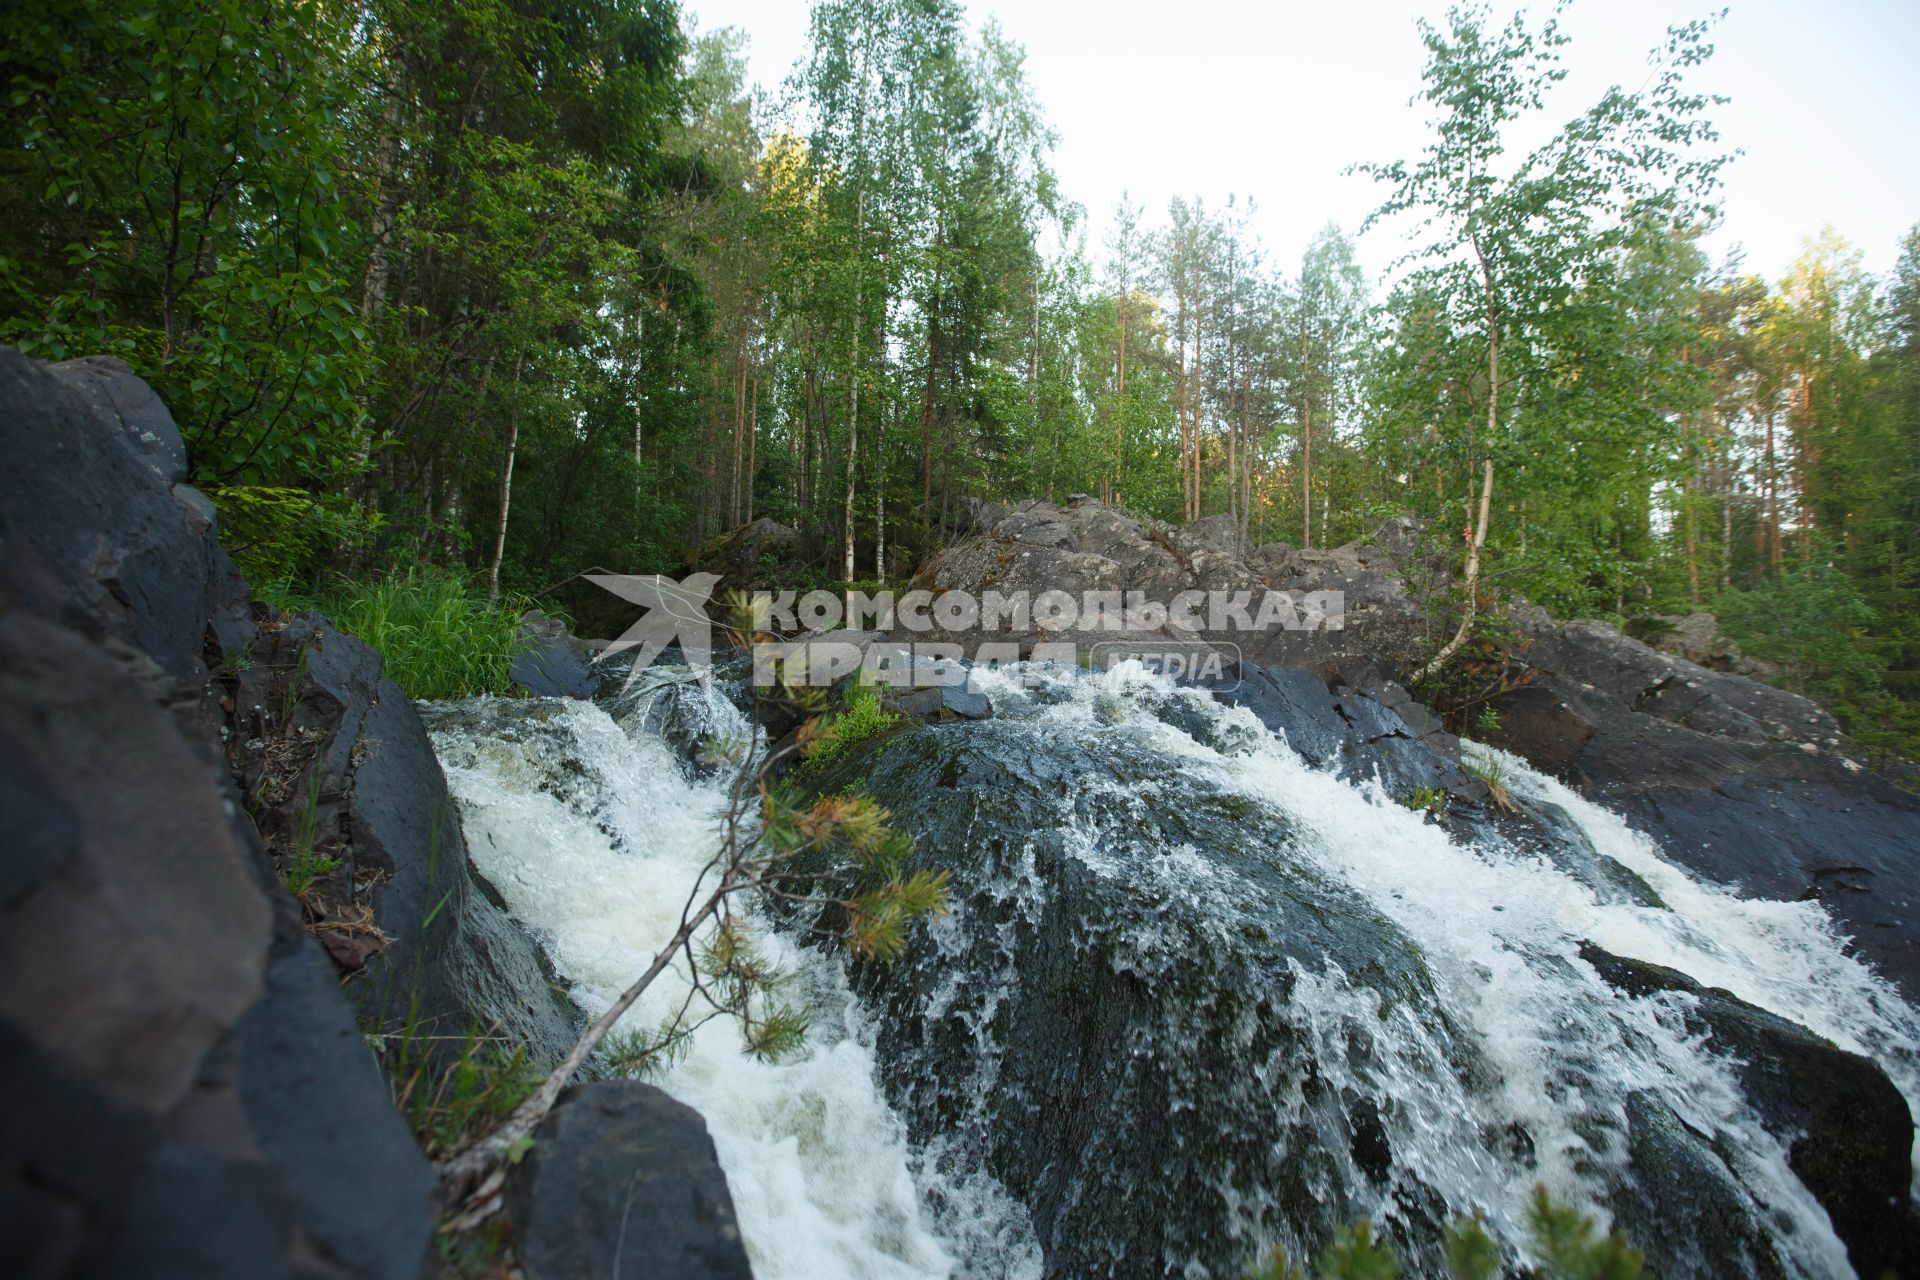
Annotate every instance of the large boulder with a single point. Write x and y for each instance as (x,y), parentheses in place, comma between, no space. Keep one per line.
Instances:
(1380,734)
(1100,1042)
(622,1183)
(336,759)
(1847,1130)
(99,529)
(189,1093)
(752,555)
(1085,546)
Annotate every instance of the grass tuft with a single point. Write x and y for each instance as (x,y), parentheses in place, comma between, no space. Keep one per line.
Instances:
(440,636)
(1490,769)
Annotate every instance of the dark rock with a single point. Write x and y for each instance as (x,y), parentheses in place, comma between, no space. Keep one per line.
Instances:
(1540,727)
(454,960)
(551,664)
(1772,819)
(1370,720)
(1110,1018)
(1684,1204)
(1596,655)
(99,530)
(942,702)
(1293,703)
(622,1184)
(188,1093)
(752,555)
(1849,1134)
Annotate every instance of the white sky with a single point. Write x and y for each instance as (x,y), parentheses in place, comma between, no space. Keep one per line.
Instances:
(1273,100)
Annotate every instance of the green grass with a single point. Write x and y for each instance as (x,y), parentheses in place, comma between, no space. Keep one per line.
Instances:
(1490,769)
(308,865)
(863,718)
(1428,800)
(439,635)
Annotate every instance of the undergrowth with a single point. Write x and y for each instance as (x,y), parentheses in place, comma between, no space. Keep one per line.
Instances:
(439,634)
(1491,770)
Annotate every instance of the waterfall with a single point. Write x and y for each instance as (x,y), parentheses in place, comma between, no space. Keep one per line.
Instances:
(1194,996)
(593,830)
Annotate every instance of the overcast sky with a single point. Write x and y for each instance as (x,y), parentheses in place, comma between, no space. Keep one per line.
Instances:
(1273,100)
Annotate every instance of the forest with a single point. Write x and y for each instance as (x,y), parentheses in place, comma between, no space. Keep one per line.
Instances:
(492,292)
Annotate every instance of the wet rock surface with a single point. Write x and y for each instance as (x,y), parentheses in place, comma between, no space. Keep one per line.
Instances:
(1742,783)
(1115,1018)
(1848,1131)
(551,663)
(622,1183)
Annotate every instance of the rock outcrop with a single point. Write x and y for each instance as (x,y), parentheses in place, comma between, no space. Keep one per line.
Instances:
(1740,782)
(1087,547)
(751,555)
(190,1094)
(191,1090)
(1847,1131)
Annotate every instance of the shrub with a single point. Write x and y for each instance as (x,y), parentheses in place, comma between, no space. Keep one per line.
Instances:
(277,532)
(1567,1243)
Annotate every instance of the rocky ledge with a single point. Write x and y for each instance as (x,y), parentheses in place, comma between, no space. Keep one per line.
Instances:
(192,1053)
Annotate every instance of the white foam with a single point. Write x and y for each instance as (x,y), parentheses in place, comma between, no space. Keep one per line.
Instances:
(1500,931)
(595,839)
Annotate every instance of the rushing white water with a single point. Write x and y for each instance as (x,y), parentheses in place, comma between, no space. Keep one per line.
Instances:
(594,835)
(1500,931)
(589,826)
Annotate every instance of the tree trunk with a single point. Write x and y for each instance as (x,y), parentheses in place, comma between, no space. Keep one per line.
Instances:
(506,488)
(753,435)
(1306,442)
(880,489)
(1775,556)
(926,412)
(1120,407)
(373,286)
(933,366)
(1478,537)
(853,410)
(739,430)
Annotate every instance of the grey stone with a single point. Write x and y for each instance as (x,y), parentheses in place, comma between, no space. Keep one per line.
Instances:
(622,1183)
(550,663)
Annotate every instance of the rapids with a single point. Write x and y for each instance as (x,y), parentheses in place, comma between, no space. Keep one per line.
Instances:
(1194,996)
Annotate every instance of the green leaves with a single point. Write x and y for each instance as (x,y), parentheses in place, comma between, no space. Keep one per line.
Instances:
(174,241)
(1550,304)
(1566,1245)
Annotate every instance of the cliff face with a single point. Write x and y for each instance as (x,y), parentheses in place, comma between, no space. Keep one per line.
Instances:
(189,1092)
(192,1051)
